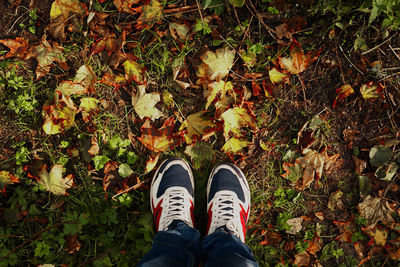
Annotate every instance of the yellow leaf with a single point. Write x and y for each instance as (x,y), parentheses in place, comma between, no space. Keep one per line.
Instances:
(235,119)
(88,106)
(234,145)
(276,76)
(125,5)
(218,63)
(68,88)
(370,90)
(150,13)
(167,98)
(59,114)
(343,92)
(53,181)
(151,163)
(65,7)
(144,104)
(85,76)
(196,125)
(134,71)
(178,30)
(218,88)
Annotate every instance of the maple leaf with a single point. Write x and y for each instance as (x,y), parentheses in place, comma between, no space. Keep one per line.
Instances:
(301,259)
(19,47)
(134,71)
(308,167)
(377,233)
(235,119)
(343,92)
(115,81)
(151,163)
(375,209)
(200,153)
(125,5)
(276,76)
(216,65)
(150,14)
(60,13)
(45,55)
(216,88)
(371,90)
(347,229)
(107,43)
(7,178)
(234,145)
(53,181)
(297,62)
(88,107)
(160,140)
(196,126)
(179,31)
(85,76)
(144,104)
(59,114)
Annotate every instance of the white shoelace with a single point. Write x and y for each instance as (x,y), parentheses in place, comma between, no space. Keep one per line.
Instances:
(224,214)
(176,208)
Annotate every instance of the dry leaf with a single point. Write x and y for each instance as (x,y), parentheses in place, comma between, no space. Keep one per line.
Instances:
(297,62)
(144,104)
(343,92)
(216,65)
(196,125)
(235,119)
(234,145)
(53,181)
(375,209)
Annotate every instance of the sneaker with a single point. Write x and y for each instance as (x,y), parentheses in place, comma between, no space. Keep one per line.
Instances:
(228,200)
(171,194)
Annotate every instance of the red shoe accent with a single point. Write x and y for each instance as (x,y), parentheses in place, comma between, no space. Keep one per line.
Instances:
(209,215)
(243,218)
(157,213)
(192,212)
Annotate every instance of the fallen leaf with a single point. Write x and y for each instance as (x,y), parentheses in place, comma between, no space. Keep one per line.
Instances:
(276,76)
(301,259)
(73,244)
(63,8)
(19,47)
(196,125)
(45,55)
(124,170)
(371,90)
(216,65)
(234,145)
(160,140)
(218,88)
(343,92)
(88,107)
(235,119)
(386,173)
(359,165)
(347,229)
(335,201)
(125,5)
(380,155)
(68,88)
(85,76)
(151,13)
(94,149)
(59,114)
(144,104)
(295,225)
(179,31)
(7,178)
(375,209)
(377,233)
(53,181)
(200,153)
(297,62)
(314,245)
(151,163)
(134,71)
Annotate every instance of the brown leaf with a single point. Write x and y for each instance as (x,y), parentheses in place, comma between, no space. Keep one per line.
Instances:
(45,55)
(301,259)
(297,62)
(73,244)
(347,229)
(375,209)
(19,47)
(160,140)
(359,164)
(94,149)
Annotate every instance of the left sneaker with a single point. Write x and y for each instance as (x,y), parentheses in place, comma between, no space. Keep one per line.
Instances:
(171,194)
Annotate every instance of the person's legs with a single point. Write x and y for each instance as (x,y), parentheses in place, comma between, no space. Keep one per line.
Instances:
(176,243)
(228,205)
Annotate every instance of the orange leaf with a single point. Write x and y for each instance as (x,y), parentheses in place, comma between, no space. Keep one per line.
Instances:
(297,62)
(160,140)
(19,47)
(343,92)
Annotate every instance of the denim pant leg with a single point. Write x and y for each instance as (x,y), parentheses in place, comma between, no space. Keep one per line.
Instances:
(224,249)
(175,248)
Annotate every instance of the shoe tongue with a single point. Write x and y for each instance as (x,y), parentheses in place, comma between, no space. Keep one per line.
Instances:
(174,224)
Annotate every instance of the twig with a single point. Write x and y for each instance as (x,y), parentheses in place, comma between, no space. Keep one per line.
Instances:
(136,186)
(387,77)
(351,63)
(303,86)
(258,16)
(35,236)
(375,47)
(394,52)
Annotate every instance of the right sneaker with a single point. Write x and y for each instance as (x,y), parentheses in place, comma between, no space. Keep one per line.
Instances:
(171,194)
(228,200)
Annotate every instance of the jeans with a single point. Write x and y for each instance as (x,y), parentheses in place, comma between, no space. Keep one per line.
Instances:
(182,246)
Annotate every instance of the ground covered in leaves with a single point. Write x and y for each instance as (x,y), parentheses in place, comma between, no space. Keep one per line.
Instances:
(302,95)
